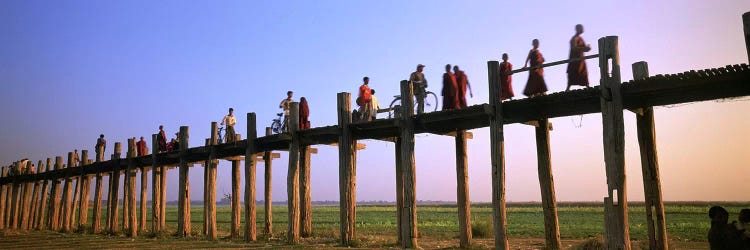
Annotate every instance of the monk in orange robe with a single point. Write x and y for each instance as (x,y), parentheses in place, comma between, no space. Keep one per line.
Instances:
(506,89)
(577,72)
(450,89)
(141,147)
(304,114)
(463,82)
(535,85)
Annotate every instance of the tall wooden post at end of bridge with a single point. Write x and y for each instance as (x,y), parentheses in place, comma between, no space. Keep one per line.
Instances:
(292,181)
(114,191)
(183,210)
(497,157)
(211,230)
(250,151)
(408,214)
(132,215)
(347,170)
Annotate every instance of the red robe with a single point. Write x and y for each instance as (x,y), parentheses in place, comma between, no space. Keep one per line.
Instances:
(304,114)
(142,149)
(161,139)
(536,84)
(506,89)
(463,81)
(450,87)
(577,72)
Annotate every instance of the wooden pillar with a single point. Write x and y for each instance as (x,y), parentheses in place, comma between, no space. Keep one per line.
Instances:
(616,234)
(34,213)
(462,190)
(399,188)
(156,188)
(292,181)
(408,168)
(211,230)
(3,190)
(126,197)
(746,25)
(67,195)
(657,230)
(497,157)
(97,206)
(235,202)
(83,214)
(183,213)
(144,193)
(206,173)
(114,190)
(55,193)
(131,173)
(347,170)
(304,193)
(163,197)
(41,222)
(76,193)
(250,150)
(26,205)
(547,186)
(268,165)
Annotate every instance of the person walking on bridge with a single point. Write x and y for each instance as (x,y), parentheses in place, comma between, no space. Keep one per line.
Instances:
(364,99)
(101,145)
(463,82)
(141,147)
(230,121)
(285,105)
(536,85)
(506,89)
(577,72)
(450,87)
(161,139)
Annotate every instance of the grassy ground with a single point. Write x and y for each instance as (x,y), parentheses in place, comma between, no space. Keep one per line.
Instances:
(687,225)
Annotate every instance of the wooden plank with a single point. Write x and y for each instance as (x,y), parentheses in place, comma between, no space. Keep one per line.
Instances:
(305,198)
(497,157)
(250,216)
(132,216)
(68,197)
(552,64)
(267,189)
(462,190)
(292,181)
(156,187)
(183,213)
(347,170)
(114,192)
(655,219)
(616,232)
(211,230)
(547,185)
(409,209)
(467,135)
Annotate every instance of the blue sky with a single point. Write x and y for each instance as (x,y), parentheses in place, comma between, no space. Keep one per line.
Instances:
(71,70)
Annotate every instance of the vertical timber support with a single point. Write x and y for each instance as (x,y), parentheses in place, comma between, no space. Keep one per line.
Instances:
(236,214)
(41,223)
(268,172)
(3,190)
(97,211)
(211,230)
(250,150)
(13,221)
(131,173)
(114,190)
(26,200)
(616,233)
(292,183)
(462,190)
(55,192)
(144,193)
(547,185)
(155,188)
(399,188)
(657,230)
(497,157)
(746,25)
(34,217)
(67,195)
(206,176)
(83,208)
(305,208)
(409,207)
(183,213)
(347,170)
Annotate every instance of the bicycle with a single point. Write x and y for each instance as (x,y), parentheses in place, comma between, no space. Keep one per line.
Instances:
(430,103)
(278,125)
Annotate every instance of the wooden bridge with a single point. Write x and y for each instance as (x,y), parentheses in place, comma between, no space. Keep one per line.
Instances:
(24,202)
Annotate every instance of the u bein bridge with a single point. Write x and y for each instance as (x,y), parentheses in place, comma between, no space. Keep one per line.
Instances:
(25,205)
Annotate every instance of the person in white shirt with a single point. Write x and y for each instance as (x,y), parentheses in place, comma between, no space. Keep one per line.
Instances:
(285,105)
(230,120)
(375,105)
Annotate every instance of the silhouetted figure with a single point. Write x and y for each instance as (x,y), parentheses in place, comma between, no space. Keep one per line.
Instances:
(743,225)
(374,105)
(463,82)
(578,74)
(76,158)
(230,121)
(506,89)
(101,145)
(419,84)
(141,147)
(722,235)
(161,139)
(304,114)
(450,89)
(364,98)
(285,105)
(536,85)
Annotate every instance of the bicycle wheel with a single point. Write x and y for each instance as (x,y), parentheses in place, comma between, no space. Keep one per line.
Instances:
(430,102)
(276,127)
(391,108)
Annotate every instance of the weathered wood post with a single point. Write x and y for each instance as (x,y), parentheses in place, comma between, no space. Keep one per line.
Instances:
(55,193)
(26,200)
(657,230)
(497,157)
(67,195)
(746,25)
(235,202)
(399,189)
(42,213)
(97,207)
(408,168)
(616,232)
(462,190)
(126,195)
(211,230)
(347,170)
(76,191)
(83,212)
(3,190)
(144,193)
(250,150)
(206,176)
(35,198)
(13,201)
(114,190)
(268,202)
(183,213)
(6,201)
(131,173)
(304,193)
(547,185)
(292,183)
(156,187)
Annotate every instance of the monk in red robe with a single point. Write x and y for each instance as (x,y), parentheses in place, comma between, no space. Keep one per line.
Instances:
(161,139)
(577,72)
(506,89)
(463,82)
(304,114)
(141,147)
(535,85)
(450,89)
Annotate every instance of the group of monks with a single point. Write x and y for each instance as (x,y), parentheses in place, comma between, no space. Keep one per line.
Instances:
(454,88)
(535,86)
(724,235)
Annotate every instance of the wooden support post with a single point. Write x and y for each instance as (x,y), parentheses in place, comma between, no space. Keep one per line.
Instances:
(746,25)
(83,214)
(156,187)
(3,190)
(97,206)
(114,191)
(35,199)
(304,193)
(657,230)
(183,213)
(206,173)
(547,186)
(616,234)
(497,157)
(408,168)
(211,230)
(41,222)
(67,196)
(55,193)
(347,170)
(126,197)
(76,193)
(250,218)
(462,190)
(131,174)
(292,181)
(25,211)
(235,202)
(268,172)
(399,188)
(13,202)
(144,193)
